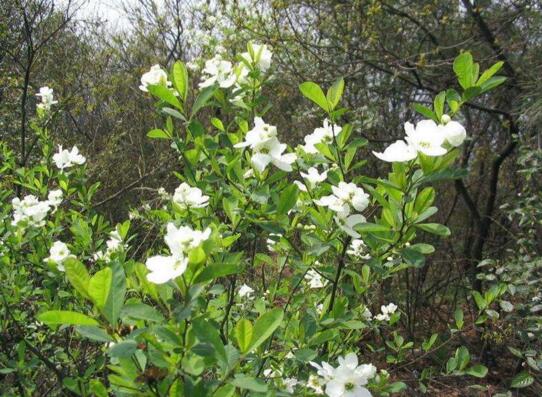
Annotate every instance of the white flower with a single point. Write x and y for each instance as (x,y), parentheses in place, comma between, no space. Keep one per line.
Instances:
(313,176)
(425,138)
(398,151)
(315,383)
(58,253)
(165,268)
(114,243)
(367,315)
(156,75)
(357,248)
(182,239)
(218,71)
(29,210)
(314,279)
(64,158)
(261,56)
(272,152)
(259,136)
(348,379)
(386,312)
(47,99)
(347,224)
(454,133)
(245,292)
(271,242)
(344,196)
(320,308)
(320,135)
(187,196)
(290,384)
(54,198)
(301,186)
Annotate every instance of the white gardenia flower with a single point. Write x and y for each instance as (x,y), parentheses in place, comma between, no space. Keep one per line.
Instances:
(348,379)
(29,210)
(345,196)
(54,198)
(165,268)
(357,249)
(182,239)
(261,56)
(187,196)
(398,151)
(156,75)
(426,137)
(320,135)
(454,133)
(58,253)
(259,136)
(313,176)
(347,224)
(245,292)
(218,71)
(47,99)
(273,152)
(315,279)
(68,158)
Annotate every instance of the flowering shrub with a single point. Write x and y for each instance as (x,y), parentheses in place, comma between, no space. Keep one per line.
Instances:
(273,253)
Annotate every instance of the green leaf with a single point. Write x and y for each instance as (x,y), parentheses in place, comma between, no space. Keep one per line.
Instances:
(492,83)
(206,332)
(115,300)
(93,333)
(523,379)
(78,276)
(64,317)
(97,388)
(478,371)
(243,334)
(434,228)
(313,92)
(287,199)
(218,124)
(163,93)
(158,134)
(439,104)
(463,68)
(249,383)
(479,299)
(123,349)
(180,79)
(264,327)
(217,270)
(99,286)
(335,93)
(488,73)
(225,391)
(141,311)
(203,97)
(424,111)
(458,316)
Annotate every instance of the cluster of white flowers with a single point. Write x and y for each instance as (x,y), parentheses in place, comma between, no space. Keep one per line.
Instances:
(68,158)
(113,244)
(357,249)
(386,312)
(266,148)
(155,76)
(314,279)
(320,135)
(31,211)
(58,253)
(179,241)
(218,71)
(47,99)
(245,292)
(345,197)
(347,380)
(427,137)
(187,196)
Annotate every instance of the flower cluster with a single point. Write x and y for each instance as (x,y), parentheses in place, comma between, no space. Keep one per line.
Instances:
(266,148)
(387,311)
(68,158)
(345,198)
(47,99)
(155,76)
(180,241)
(357,249)
(113,244)
(187,196)
(427,137)
(347,380)
(31,211)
